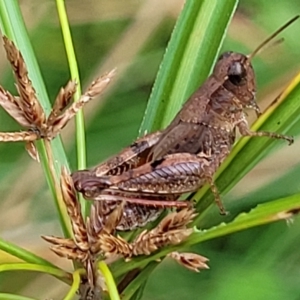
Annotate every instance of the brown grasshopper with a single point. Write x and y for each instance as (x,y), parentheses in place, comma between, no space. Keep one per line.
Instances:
(156,169)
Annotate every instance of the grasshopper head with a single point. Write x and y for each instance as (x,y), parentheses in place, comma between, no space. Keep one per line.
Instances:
(236,73)
(87,183)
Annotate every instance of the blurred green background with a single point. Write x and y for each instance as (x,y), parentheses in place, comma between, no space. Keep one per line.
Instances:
(131,35)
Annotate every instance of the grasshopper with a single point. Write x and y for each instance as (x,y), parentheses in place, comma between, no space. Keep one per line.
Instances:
(156,169)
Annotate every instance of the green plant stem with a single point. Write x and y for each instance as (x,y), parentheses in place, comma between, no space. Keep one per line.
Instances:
(109,280)
(80,131)
(37,268)
(75,285)
(23,254)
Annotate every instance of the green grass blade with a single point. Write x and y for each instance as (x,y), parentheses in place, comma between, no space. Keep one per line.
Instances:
(80,132)
(110,282)
(75,284)
(12,25)
(23,254)
(280,209)
(35,268)
(192,50)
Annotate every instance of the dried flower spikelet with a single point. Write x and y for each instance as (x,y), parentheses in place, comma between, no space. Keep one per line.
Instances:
(91,233)
(27,136)
(91,272)
(176,220)
(100,222)
(99,85)
(95,221)
(170,231)
(148,242)
(69,243)
(74,212)
(114,219)
(66,248)
(31,108)
(113,245)
(177,236)
(62,100)
(70,253)
(96,88)
(94,225)
(11,105)
(32,151)
(191,261)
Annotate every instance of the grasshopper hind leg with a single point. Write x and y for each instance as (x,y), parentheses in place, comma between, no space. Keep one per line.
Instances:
(217,196)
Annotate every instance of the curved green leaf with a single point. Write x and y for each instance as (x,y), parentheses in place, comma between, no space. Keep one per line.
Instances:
(281,209)
(35,268)
(23,254)
(189,57)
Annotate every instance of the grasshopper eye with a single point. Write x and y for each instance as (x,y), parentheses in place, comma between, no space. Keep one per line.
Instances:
(237,74)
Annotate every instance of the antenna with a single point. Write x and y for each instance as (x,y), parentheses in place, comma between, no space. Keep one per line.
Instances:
(271,37)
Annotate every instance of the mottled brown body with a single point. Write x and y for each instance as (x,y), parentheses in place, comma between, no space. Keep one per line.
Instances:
(86,181)
(153,172)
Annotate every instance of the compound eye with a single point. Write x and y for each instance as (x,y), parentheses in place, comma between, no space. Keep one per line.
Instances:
(237,74)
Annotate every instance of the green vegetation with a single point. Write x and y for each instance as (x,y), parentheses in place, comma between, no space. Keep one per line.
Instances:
(245,257)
